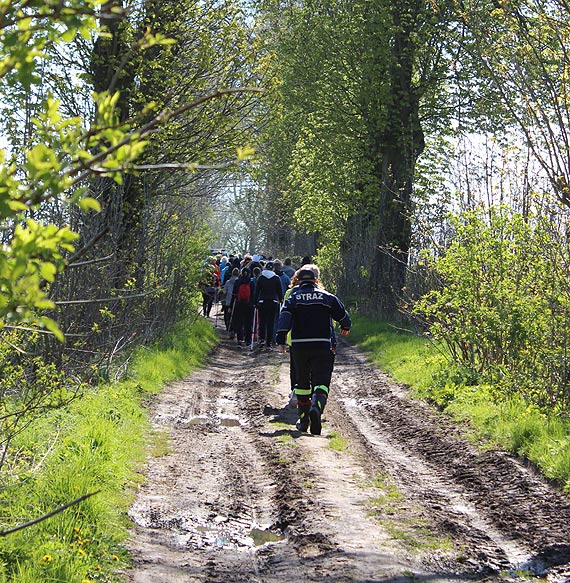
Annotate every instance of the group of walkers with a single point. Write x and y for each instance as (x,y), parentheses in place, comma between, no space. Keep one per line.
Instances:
(270,301)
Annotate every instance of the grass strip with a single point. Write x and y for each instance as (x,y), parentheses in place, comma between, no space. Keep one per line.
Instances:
(99,442)
(509,423)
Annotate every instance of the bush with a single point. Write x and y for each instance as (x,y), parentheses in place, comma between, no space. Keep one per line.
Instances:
(503,308)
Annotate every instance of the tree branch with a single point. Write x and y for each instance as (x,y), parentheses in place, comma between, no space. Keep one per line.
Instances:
(48,515)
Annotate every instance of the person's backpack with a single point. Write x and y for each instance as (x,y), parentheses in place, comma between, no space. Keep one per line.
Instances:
(244,293)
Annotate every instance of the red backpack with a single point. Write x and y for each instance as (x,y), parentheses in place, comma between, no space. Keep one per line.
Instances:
(244,293)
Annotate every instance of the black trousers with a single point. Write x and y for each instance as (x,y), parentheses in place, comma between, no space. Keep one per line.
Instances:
(242,320)
(312,366)
(267,311)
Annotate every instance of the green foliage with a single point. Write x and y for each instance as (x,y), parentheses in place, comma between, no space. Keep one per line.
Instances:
(344,132)
(29,387)
(59,155)
(502,310)
(95,444)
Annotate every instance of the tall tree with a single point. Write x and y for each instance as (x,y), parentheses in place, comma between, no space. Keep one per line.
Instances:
(514,72)
(353,77)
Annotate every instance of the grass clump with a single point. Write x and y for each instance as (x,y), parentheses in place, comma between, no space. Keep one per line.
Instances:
(337,442)
(97,443)
(508,422)
(400,523)
(387,501)
(419,538)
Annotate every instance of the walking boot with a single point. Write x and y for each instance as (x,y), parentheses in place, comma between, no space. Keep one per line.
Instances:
(303,406)
(318,402)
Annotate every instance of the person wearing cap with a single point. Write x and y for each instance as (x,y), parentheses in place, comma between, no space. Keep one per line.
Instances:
(268,296)
(308,312)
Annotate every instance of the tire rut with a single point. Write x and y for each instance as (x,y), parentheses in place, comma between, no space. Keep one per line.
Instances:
(242,496)
(495,502)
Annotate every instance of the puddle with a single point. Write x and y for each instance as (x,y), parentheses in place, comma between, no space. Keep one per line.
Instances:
(224,421)
(230,422)
(260,537)
(198,421)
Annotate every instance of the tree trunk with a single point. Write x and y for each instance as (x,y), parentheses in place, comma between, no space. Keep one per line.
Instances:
(400,146)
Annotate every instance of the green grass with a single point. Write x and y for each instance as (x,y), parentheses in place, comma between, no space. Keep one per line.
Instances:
(386,507)
(510,424)
(407,357)
(96,444)
(418,537)
(337,442)
(286,440)
(387,501)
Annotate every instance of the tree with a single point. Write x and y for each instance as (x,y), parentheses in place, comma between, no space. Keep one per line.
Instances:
(514,73)
(347,131)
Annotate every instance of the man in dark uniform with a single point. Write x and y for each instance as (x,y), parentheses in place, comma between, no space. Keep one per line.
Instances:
(308,312)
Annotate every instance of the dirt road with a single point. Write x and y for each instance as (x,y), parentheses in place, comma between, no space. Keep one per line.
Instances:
(391,491)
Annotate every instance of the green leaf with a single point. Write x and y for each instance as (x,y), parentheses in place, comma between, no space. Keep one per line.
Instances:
(48,271)
(53,327)
(88,203)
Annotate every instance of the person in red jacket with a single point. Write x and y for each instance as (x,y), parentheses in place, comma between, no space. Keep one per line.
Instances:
(242,301)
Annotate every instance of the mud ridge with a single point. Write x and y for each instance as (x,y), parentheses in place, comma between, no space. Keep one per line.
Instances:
(242,496)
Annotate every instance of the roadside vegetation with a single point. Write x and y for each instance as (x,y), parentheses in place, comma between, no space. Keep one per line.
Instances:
(416,151)
(95,444)
(505,421)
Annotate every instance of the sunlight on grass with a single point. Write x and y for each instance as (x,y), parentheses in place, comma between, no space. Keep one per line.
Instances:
(337,442)
(286,440)
(510,424)
(418,538)
(98,443)
(387,500)
(409,358)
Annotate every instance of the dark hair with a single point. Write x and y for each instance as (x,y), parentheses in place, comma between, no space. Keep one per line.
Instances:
(256,270)
(287,261)
(245,272)
(235,271)
(306,260)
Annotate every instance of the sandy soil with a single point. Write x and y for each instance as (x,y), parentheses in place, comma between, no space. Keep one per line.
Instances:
(391,491)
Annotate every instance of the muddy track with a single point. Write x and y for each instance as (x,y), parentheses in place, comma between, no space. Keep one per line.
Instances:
(242,496)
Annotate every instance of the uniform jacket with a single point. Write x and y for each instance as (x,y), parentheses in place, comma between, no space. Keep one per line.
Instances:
(308,312)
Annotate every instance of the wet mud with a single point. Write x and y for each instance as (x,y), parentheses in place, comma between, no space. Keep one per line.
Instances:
(391,491)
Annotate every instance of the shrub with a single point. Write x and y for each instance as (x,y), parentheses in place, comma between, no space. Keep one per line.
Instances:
(503,307)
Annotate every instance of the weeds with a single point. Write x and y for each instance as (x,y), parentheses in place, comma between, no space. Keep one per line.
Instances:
(97,442)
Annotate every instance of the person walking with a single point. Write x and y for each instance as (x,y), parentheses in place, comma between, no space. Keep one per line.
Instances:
(268,296)
(242,302)
(209,285)
(227,297)
(308,312)
(288,269)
